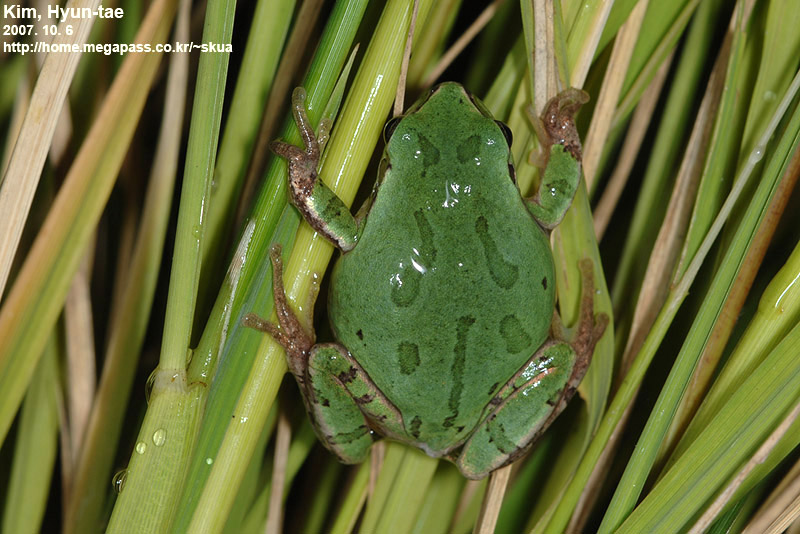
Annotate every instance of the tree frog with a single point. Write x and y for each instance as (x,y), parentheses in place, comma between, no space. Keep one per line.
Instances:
(443,299)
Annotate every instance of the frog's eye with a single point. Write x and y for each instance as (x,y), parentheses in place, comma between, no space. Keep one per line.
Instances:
(388,130)
(506,132)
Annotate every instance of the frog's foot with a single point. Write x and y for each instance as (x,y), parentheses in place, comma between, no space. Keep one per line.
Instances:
(302,163)
(591,327)
(527,405)
(291,334)
(318,205)
(560,157)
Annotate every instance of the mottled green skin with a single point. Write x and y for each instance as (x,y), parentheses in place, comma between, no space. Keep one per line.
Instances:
(450,288)
(443,298)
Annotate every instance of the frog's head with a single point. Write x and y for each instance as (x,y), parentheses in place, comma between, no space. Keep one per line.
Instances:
(448,119)
(449,100)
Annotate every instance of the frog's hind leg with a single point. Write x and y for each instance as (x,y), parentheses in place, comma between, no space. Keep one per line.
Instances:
(343,403)
(337,419)
(536,395)
(524,408)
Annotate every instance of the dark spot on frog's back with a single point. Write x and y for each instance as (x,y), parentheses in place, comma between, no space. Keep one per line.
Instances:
(430,154)
(405,286)
(408,357)
(503,272)
(515,336)
(457,370)
(469,149)
(426,234)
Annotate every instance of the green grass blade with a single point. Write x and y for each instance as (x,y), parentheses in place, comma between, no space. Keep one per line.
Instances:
(350,508)
(646,450)
(248,287)
(440,502)
(201,153)
(127,329)
(268,30)
(38,294)
(35,449)
(399,491)
(373,89)
(177,412)
(663,162)
(724,444)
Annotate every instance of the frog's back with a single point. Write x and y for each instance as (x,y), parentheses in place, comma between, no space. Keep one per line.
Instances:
(450,289)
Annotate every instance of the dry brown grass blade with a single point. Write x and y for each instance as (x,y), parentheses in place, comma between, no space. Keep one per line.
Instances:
(545,80)
(33,142)
(761,454)
(399,99)
(376,457)
(81,370)
(125,250)
(781,508)
(640,122)
(21,103)
(610,91)
(663,257)
(283,437)
(492,501)
(670,237)
(462,42)
(465,500)
(581,68)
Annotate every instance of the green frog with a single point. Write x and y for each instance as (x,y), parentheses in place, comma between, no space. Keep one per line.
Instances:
(443,299)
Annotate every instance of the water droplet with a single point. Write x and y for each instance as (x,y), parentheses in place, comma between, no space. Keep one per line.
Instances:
(140,447)
(769,96)
(148,387)
(209,461)
(196,231)
(159,437)
(118,482)
(757,154)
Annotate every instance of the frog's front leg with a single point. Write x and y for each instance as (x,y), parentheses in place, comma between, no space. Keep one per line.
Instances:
(345,406)
(536,395)
(561,152)
(320,206)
